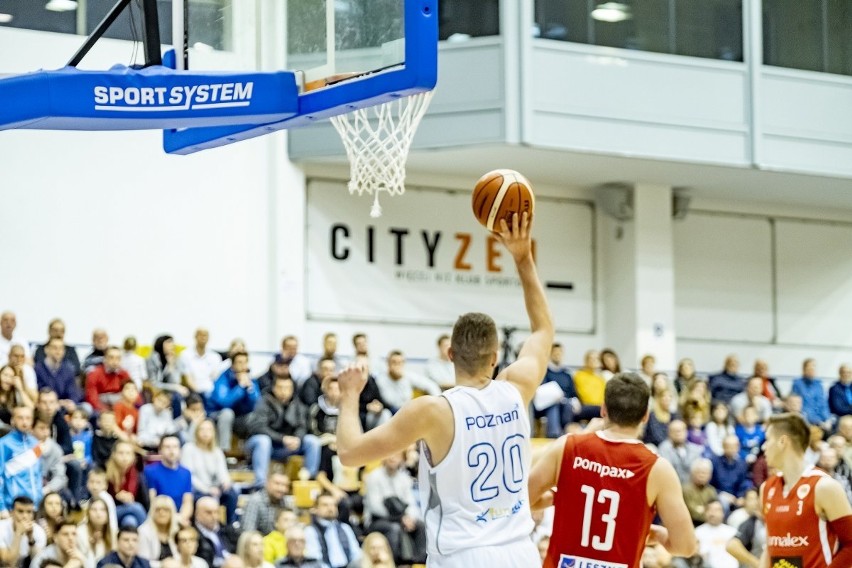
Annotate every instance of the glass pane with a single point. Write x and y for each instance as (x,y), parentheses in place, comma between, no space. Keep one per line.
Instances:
(792,34)
(32,15)
(209,24)
(839,40)
(128,25)
(710,28)
(462,19)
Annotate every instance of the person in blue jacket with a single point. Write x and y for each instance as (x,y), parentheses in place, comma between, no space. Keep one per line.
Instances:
(20,466)
(234,396)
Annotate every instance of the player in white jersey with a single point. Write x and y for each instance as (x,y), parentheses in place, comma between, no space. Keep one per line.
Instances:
(475,450)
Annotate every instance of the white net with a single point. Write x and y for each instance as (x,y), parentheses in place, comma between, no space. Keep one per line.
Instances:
(377,140)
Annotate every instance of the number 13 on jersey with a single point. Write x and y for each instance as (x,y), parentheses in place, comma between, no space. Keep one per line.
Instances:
(608,512)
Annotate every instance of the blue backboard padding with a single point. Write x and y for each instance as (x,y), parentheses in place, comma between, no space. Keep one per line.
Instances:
(418,74)
(135,99)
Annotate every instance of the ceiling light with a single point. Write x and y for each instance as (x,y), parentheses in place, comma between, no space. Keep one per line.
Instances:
(612,12)
(5,18)
(61,5)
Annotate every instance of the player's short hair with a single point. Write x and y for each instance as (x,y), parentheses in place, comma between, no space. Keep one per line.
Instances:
(793,426)
(626,398)
(474,342)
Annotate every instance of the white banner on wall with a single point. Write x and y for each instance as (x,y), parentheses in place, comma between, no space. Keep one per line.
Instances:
(426,260)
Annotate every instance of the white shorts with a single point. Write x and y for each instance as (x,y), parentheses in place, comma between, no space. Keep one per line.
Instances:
(517,554)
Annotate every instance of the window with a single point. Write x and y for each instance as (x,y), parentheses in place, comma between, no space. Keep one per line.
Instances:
(814,35)
(462,19)
(710,29)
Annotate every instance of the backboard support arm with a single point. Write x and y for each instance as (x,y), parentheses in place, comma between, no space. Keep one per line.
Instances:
(150,31)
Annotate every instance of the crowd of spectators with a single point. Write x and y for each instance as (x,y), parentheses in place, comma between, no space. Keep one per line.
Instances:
(116,458)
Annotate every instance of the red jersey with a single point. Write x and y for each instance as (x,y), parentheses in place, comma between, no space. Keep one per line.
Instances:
(796,537)
(602,516)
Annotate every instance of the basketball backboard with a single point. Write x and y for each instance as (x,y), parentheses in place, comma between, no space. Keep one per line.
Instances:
(346,55)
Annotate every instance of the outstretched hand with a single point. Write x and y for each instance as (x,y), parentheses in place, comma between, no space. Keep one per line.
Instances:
(352,380)
(516,238)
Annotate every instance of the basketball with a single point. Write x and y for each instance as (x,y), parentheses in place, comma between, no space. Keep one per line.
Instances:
(500,193)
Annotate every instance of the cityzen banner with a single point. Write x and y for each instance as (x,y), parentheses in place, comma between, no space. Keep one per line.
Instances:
(426,260)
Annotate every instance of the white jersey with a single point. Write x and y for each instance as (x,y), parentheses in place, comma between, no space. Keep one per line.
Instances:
(477,496)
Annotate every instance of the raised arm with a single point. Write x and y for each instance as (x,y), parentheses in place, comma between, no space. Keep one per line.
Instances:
(528,370)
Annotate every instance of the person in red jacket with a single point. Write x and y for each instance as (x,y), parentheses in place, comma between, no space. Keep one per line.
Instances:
(104,382)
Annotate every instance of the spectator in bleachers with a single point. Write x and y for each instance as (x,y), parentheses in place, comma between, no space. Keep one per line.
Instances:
(250,549)
(389,505)
(17,359)
(12,393)
(58,374)
(133,363)
(126,486)
(695,421)
(63,549)
(842,448)
(678,450)
(770,387)
(730,474)
(713,537)
(275,543)
(814,401)
(560,414)
(263,506)
(728,383)
(95,536)
(20,467)
(100,342)
(660,417)
(278,368)
(206,462)
(311,389)
(105,437)
(237,345)
(610,365)
(125,409)
(200,365)
(193,413)
(51,512)
(54,477)
(322,423)
(371,406)
(164,373)
(718,428)
(8,323)
(375,553)
(299,365)
(157,534)
(156,420)
(296,544)
(47,407)
(748,544)
(21,538)
(187,545)
(815,445)
(750,435)
(685,376)
(329,349)
(397,385)
(440,369)
(126,553)
(752,396)
(234,397)
(360,345)
(170,478)
(329,539)
(104,381)
(831,464)
(660,381)
(647,368)
(793,403)
(215,542)
(840,393)
(697,492)
(56,330)
(81,442)
(695,397)
(278,429)
(751,506)
(588,382)
(97,487)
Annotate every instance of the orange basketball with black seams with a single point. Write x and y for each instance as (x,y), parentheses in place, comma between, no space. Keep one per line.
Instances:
(499,194)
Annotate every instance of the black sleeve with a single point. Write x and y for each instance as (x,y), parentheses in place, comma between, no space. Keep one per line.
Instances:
(745,534)
(63,433)
(310,392)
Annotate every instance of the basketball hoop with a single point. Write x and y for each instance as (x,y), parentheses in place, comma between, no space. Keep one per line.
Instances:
(377,140)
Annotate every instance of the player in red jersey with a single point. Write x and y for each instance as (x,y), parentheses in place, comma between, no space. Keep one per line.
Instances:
(808,518)
(608,488)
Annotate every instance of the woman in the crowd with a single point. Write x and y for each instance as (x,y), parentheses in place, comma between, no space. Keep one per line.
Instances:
(610,365)
(376,553)
(250,549)
(187,547)
(657,428)
(210,475)
(718,428)
(685,375)
(660,382)
(157,534)
(51,512)
(12,393)
(95,538)
(696,398)
(126,485)
(164,372)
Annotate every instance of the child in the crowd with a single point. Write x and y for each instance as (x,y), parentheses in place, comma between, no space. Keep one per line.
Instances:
(695,422)
(750,433)
(97,486)
(105,437)
(193,415)
(126,413)
(275,543)
(718,428)
(156,420)
(81,437)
